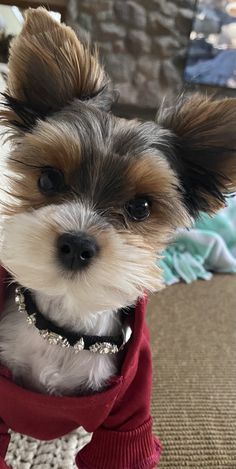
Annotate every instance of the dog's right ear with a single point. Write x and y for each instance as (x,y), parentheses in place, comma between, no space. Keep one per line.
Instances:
(202,150)
(48,68)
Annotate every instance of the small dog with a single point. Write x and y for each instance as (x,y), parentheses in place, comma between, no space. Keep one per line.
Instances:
(89,201)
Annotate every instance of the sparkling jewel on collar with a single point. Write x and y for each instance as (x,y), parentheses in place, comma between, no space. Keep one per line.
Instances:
(103,348)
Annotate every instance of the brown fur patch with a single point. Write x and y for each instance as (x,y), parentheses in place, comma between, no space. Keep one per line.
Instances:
(153,177)
(204,152)
(52,145)
(59,67)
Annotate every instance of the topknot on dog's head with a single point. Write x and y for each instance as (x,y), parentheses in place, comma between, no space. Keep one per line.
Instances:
(48,68)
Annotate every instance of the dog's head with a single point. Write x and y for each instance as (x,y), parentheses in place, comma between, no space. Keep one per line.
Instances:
(90,200)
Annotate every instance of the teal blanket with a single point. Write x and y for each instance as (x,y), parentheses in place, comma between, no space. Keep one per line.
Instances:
(210,246)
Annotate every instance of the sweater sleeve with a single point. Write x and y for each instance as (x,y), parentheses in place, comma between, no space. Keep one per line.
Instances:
(125,439)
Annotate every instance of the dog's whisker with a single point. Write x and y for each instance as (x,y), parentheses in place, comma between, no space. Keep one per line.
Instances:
(24,163)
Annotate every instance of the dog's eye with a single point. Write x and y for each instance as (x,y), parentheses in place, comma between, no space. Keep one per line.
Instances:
(51,181)
(139,208)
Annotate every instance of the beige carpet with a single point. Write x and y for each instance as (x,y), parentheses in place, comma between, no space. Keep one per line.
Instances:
(194,397)
(194,352)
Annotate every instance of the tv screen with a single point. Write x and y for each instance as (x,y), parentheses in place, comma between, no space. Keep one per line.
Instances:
(212,48)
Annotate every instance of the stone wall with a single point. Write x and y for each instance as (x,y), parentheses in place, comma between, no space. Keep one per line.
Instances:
(142,43)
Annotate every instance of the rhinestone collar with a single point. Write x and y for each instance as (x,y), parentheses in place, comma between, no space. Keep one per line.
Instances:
(60,336)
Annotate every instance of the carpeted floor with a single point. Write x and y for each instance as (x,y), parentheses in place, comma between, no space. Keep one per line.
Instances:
(194,352)
(194,395)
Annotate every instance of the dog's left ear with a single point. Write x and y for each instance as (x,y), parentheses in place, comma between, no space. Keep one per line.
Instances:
(48,68)
(202,150)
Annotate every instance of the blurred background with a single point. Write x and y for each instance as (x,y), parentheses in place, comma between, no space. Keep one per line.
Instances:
(212,50)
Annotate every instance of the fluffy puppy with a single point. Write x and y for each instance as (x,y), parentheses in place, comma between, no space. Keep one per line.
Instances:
(89,201)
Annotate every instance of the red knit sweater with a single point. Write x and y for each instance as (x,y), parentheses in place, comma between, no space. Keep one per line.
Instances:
(118,417)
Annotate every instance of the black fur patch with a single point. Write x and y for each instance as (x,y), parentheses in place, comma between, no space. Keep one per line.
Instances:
(87,97)
(199,183)
(28,117)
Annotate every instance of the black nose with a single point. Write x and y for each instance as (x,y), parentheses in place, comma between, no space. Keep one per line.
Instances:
(76,250)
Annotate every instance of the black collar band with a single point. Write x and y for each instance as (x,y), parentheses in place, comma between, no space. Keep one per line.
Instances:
(56,335)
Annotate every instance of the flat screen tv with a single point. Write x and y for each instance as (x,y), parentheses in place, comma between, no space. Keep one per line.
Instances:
(212,48)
